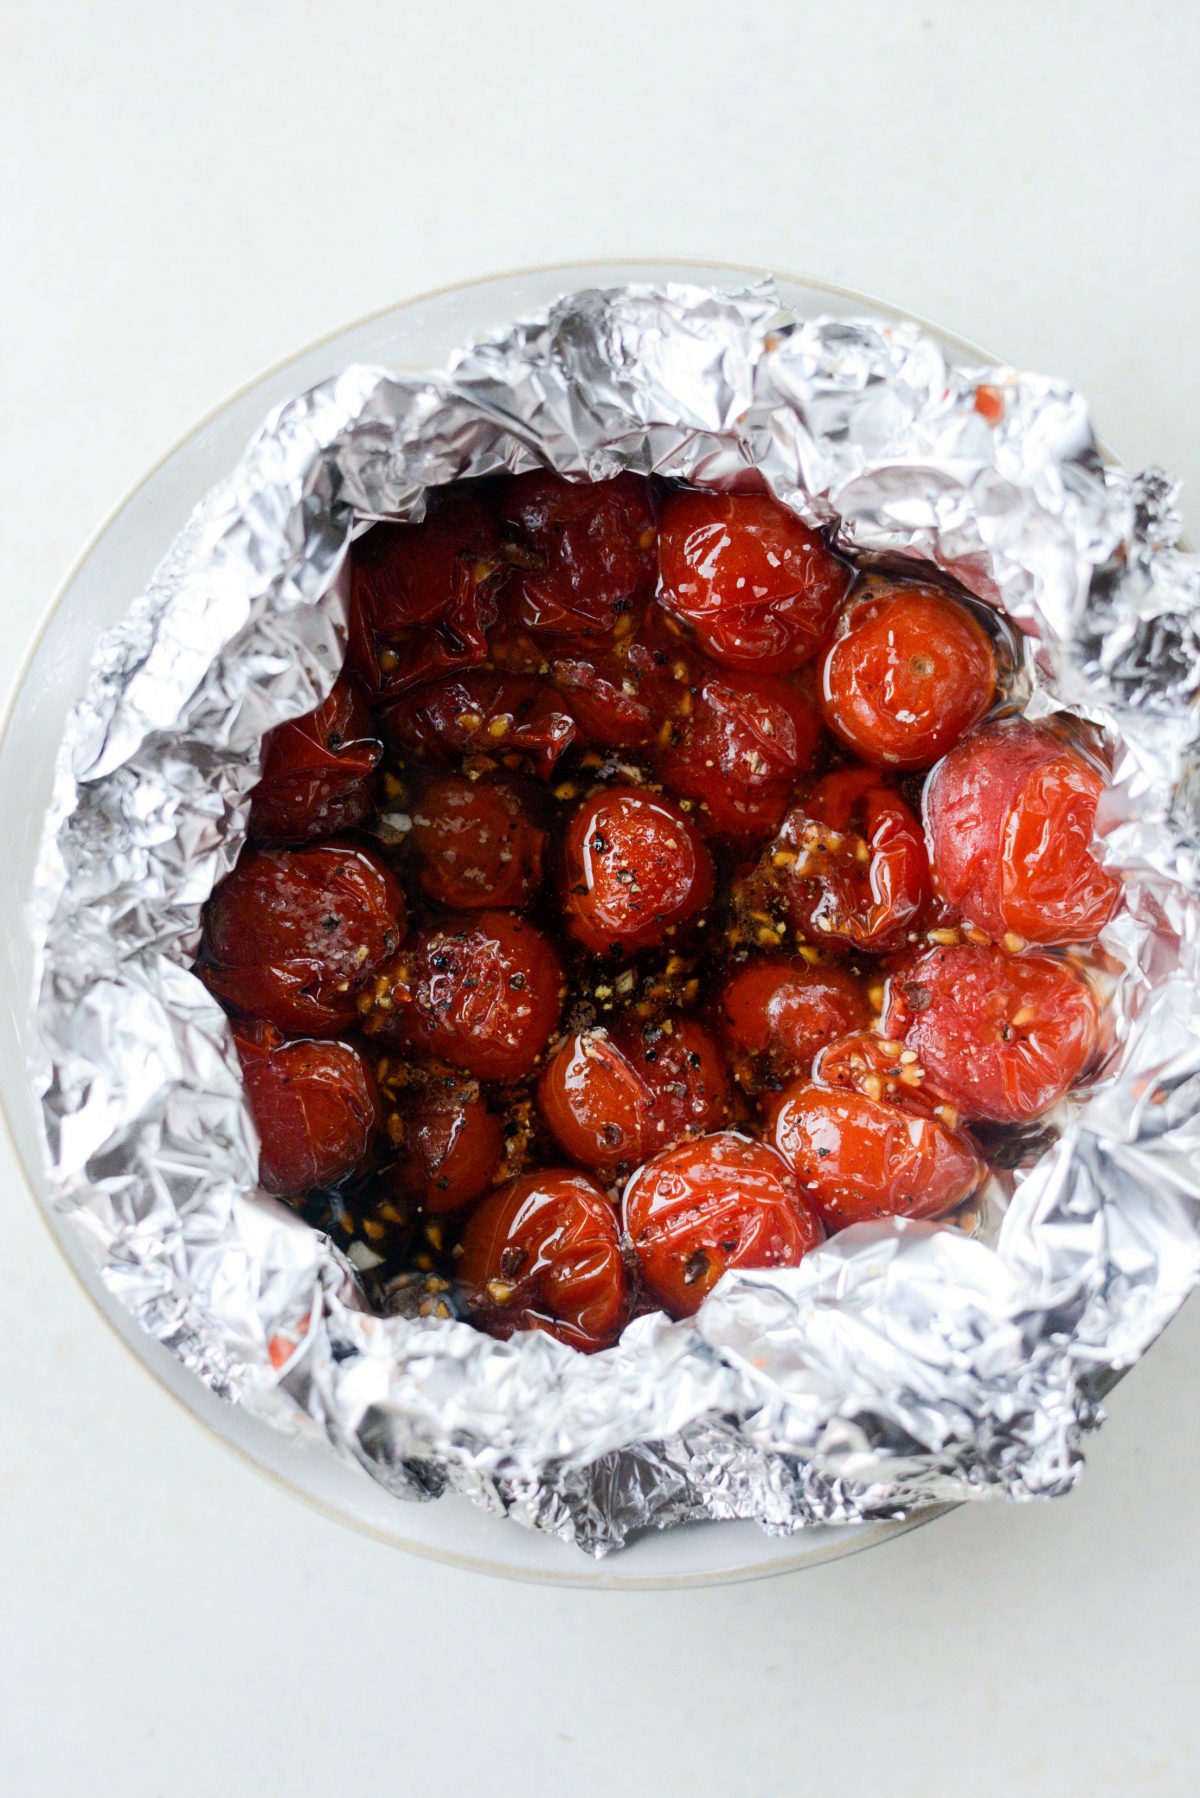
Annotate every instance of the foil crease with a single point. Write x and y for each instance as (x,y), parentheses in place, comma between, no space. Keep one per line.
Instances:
(902,1364)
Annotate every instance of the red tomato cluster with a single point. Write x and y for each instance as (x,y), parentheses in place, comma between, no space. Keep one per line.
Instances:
(655,893)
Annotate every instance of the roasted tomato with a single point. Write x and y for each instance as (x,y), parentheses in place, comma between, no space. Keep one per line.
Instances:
(514,718)
(544,1253)
(757,586)
(857,1159)
(475,844)
(613,1098)
(316,771)
(293,936)
(907,671)
(482,991)
(1010,816)
(738,749)
(706,1206)
(626,696)
(998,1036)
(881,1068)
(423,596)
(314,1104)
(777,1011)
(635,869)
(451,1150)
(584,551)
(860,875)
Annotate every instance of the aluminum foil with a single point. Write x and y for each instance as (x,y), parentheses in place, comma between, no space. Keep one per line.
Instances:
(902,1363)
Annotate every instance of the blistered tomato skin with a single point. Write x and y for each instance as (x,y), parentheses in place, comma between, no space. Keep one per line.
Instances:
(543,1253)
(776,1013)
(881,1068)
(482,992)
(452,1147)
(907,671)
(475,845)
(316,772)
(1000,1037)
(314,1104)
(738,751)
(635,870)
(1010,815)
(293,936)
(517,719)
(625,696)
(596,1103)
(759,588)
(722,1202)
(613,1098)
(857,1159)
(424,595)
(859,873)
(583,551)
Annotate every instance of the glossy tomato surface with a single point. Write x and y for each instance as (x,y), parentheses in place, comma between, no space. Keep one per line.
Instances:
(544,1253)
(635,870)
(582,551)
(907,671)
(1010,817)
(316,771)
(450,1150)
(625,695)
(737,748)
(881,1068)
(858,1159)
(293,936)
(476,845)
(758,588)
(777,1011)
(611,1098)
(423,596)
(724,1201)
(314,1104)
(1000,1037)
(516,720)
(482,991)
(853,864)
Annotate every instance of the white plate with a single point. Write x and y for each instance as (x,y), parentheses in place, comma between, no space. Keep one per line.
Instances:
(112,570)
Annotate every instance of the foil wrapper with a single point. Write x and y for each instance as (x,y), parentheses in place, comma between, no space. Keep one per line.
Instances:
(902,1363)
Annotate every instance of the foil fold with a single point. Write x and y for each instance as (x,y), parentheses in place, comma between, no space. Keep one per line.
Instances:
(902,1364)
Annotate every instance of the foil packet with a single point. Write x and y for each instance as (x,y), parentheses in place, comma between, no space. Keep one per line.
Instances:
(902,1363)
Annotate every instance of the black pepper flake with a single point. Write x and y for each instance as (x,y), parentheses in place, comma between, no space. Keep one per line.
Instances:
(512,1260)
(517,982)
(695,1267)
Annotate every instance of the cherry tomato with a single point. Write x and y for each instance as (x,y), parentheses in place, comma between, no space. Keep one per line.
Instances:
(861,875)
(857,1159)
(316,771)
(293,936)
(739,749)
(758,587)
(613,1098)
(776,1012)
(544,1253)
(314,1104)
(999,1036)
(517,719)
(475,844)
(635,869)
(881,1068)
(452,1148)
(1010,816)
(584,551)
(482,991)
(625,697)
(907,671)
(706,1206)
(423,596)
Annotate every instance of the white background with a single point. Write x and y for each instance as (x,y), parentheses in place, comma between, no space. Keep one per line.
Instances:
(189,192)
